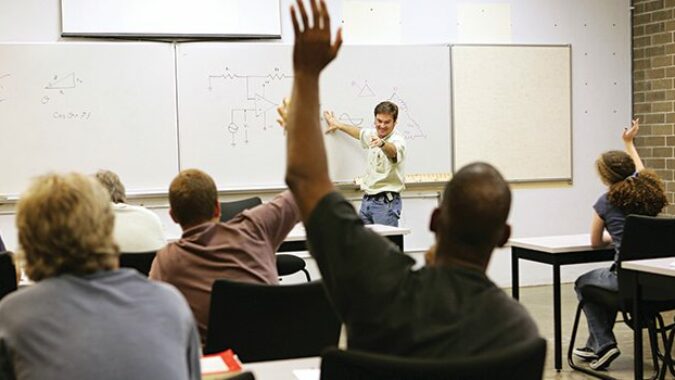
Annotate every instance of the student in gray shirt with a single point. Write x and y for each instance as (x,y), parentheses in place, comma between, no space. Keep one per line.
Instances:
(84,318)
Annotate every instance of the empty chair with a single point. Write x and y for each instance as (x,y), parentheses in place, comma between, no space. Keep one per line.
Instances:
(290,264)
(270,322)
(139,261)
(523,361)
(644,237)
(7,274)
(228,210)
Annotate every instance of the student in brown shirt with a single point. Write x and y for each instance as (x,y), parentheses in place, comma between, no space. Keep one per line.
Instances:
(241,249)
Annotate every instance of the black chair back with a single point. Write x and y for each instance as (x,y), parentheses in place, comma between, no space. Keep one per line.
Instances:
(270,322)
(228,210)
(644,237)
(522,361)
(288,264)
(242,376)
(7,274)
(139,261)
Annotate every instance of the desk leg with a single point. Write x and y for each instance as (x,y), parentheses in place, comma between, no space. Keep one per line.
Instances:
(557,329)
(515,281)
(637,331)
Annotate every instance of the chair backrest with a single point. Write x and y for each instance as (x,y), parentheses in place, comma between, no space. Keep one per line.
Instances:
(644,237)
(228,210)
(647,237)
(288,264)
(270,322)
(140,261)
(7,274)
(242,376)
(522,361)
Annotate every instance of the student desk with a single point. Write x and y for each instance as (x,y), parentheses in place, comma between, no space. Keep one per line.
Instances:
(297,238)
(555,251)
(648,276)
(283,369)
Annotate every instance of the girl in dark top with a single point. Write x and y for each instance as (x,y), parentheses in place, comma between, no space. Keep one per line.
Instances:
(632,190)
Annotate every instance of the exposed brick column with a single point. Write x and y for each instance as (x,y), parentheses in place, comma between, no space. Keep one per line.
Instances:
(654,87)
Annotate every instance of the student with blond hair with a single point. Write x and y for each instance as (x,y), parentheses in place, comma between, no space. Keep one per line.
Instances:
(84,318)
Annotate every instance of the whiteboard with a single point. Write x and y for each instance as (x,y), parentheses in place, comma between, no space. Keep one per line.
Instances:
(512,107)
(228,94)
(171,18)
(83,106)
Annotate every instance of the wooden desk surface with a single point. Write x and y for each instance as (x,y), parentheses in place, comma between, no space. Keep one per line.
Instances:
(663,266)
(556,244)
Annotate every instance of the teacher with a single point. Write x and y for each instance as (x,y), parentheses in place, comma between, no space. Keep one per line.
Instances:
(383,181)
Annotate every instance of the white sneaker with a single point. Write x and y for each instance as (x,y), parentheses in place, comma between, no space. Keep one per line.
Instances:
(585,353)
(606,358)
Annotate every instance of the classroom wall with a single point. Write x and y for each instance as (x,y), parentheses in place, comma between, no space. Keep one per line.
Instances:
(654,88)
(599,32)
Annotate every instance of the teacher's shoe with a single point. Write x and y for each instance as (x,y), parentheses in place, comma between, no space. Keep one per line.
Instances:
(605,358)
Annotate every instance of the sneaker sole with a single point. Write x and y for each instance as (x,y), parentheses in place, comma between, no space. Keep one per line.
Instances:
(605,360)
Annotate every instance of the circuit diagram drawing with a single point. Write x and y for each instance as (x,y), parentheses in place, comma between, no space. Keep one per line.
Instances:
(262,94)
(407,125)
(60,84)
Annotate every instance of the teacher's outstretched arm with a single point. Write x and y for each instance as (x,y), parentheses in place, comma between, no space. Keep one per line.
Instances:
(306,163)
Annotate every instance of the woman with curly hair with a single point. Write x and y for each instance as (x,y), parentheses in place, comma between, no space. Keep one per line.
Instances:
(632,190)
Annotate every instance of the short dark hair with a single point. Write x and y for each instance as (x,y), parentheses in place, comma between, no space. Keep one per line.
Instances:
(476,205)
(193,196)
(387,108)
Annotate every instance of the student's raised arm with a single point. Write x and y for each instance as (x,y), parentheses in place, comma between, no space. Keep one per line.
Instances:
(628,136)
(306,163)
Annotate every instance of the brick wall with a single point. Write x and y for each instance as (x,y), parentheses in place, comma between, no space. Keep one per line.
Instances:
(654,87)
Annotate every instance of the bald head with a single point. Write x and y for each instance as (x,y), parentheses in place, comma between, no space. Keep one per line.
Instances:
(475,207)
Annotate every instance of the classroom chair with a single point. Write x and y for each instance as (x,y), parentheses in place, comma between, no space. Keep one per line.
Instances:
(522,361)
(242,376)
(141,261)
(286,264)
(229,210)
(7,274)
(270,322)
(644,237)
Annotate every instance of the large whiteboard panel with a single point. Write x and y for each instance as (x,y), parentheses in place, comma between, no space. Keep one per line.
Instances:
(228,95)
(512,108)
(82,107)
(171,18)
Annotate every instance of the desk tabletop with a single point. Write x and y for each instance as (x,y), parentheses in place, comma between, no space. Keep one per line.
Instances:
(290,369)
(557,244)
(664,266)
(298,233)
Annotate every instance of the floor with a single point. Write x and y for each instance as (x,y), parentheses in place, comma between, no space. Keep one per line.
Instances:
(538,300)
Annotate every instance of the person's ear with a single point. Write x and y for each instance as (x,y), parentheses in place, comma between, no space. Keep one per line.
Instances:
(506,234)
(216,211)
(435,222)
(173,216)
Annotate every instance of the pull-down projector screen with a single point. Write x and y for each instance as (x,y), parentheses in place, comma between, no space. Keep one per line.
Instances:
(171,18)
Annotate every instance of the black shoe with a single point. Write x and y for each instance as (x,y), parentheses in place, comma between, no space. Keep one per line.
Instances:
(605,358)
(585,354)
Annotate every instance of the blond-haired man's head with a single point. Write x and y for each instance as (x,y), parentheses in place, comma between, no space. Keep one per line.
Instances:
(65,224)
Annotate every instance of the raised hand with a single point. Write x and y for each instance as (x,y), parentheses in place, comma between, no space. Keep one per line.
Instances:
(282,111)
(313,49)
(629,133)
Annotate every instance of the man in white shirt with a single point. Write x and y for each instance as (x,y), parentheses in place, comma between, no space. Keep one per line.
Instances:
(384,179)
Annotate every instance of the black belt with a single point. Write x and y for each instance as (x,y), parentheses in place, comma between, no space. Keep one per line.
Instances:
(384,195)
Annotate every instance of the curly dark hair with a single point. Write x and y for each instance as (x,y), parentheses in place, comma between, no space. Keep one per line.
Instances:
(642,194)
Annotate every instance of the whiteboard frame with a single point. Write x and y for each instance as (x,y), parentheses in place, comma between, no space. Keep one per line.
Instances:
(453,149)
(264,28)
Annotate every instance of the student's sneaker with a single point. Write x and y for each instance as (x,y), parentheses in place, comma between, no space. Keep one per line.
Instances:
(605,358)
(585,353)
